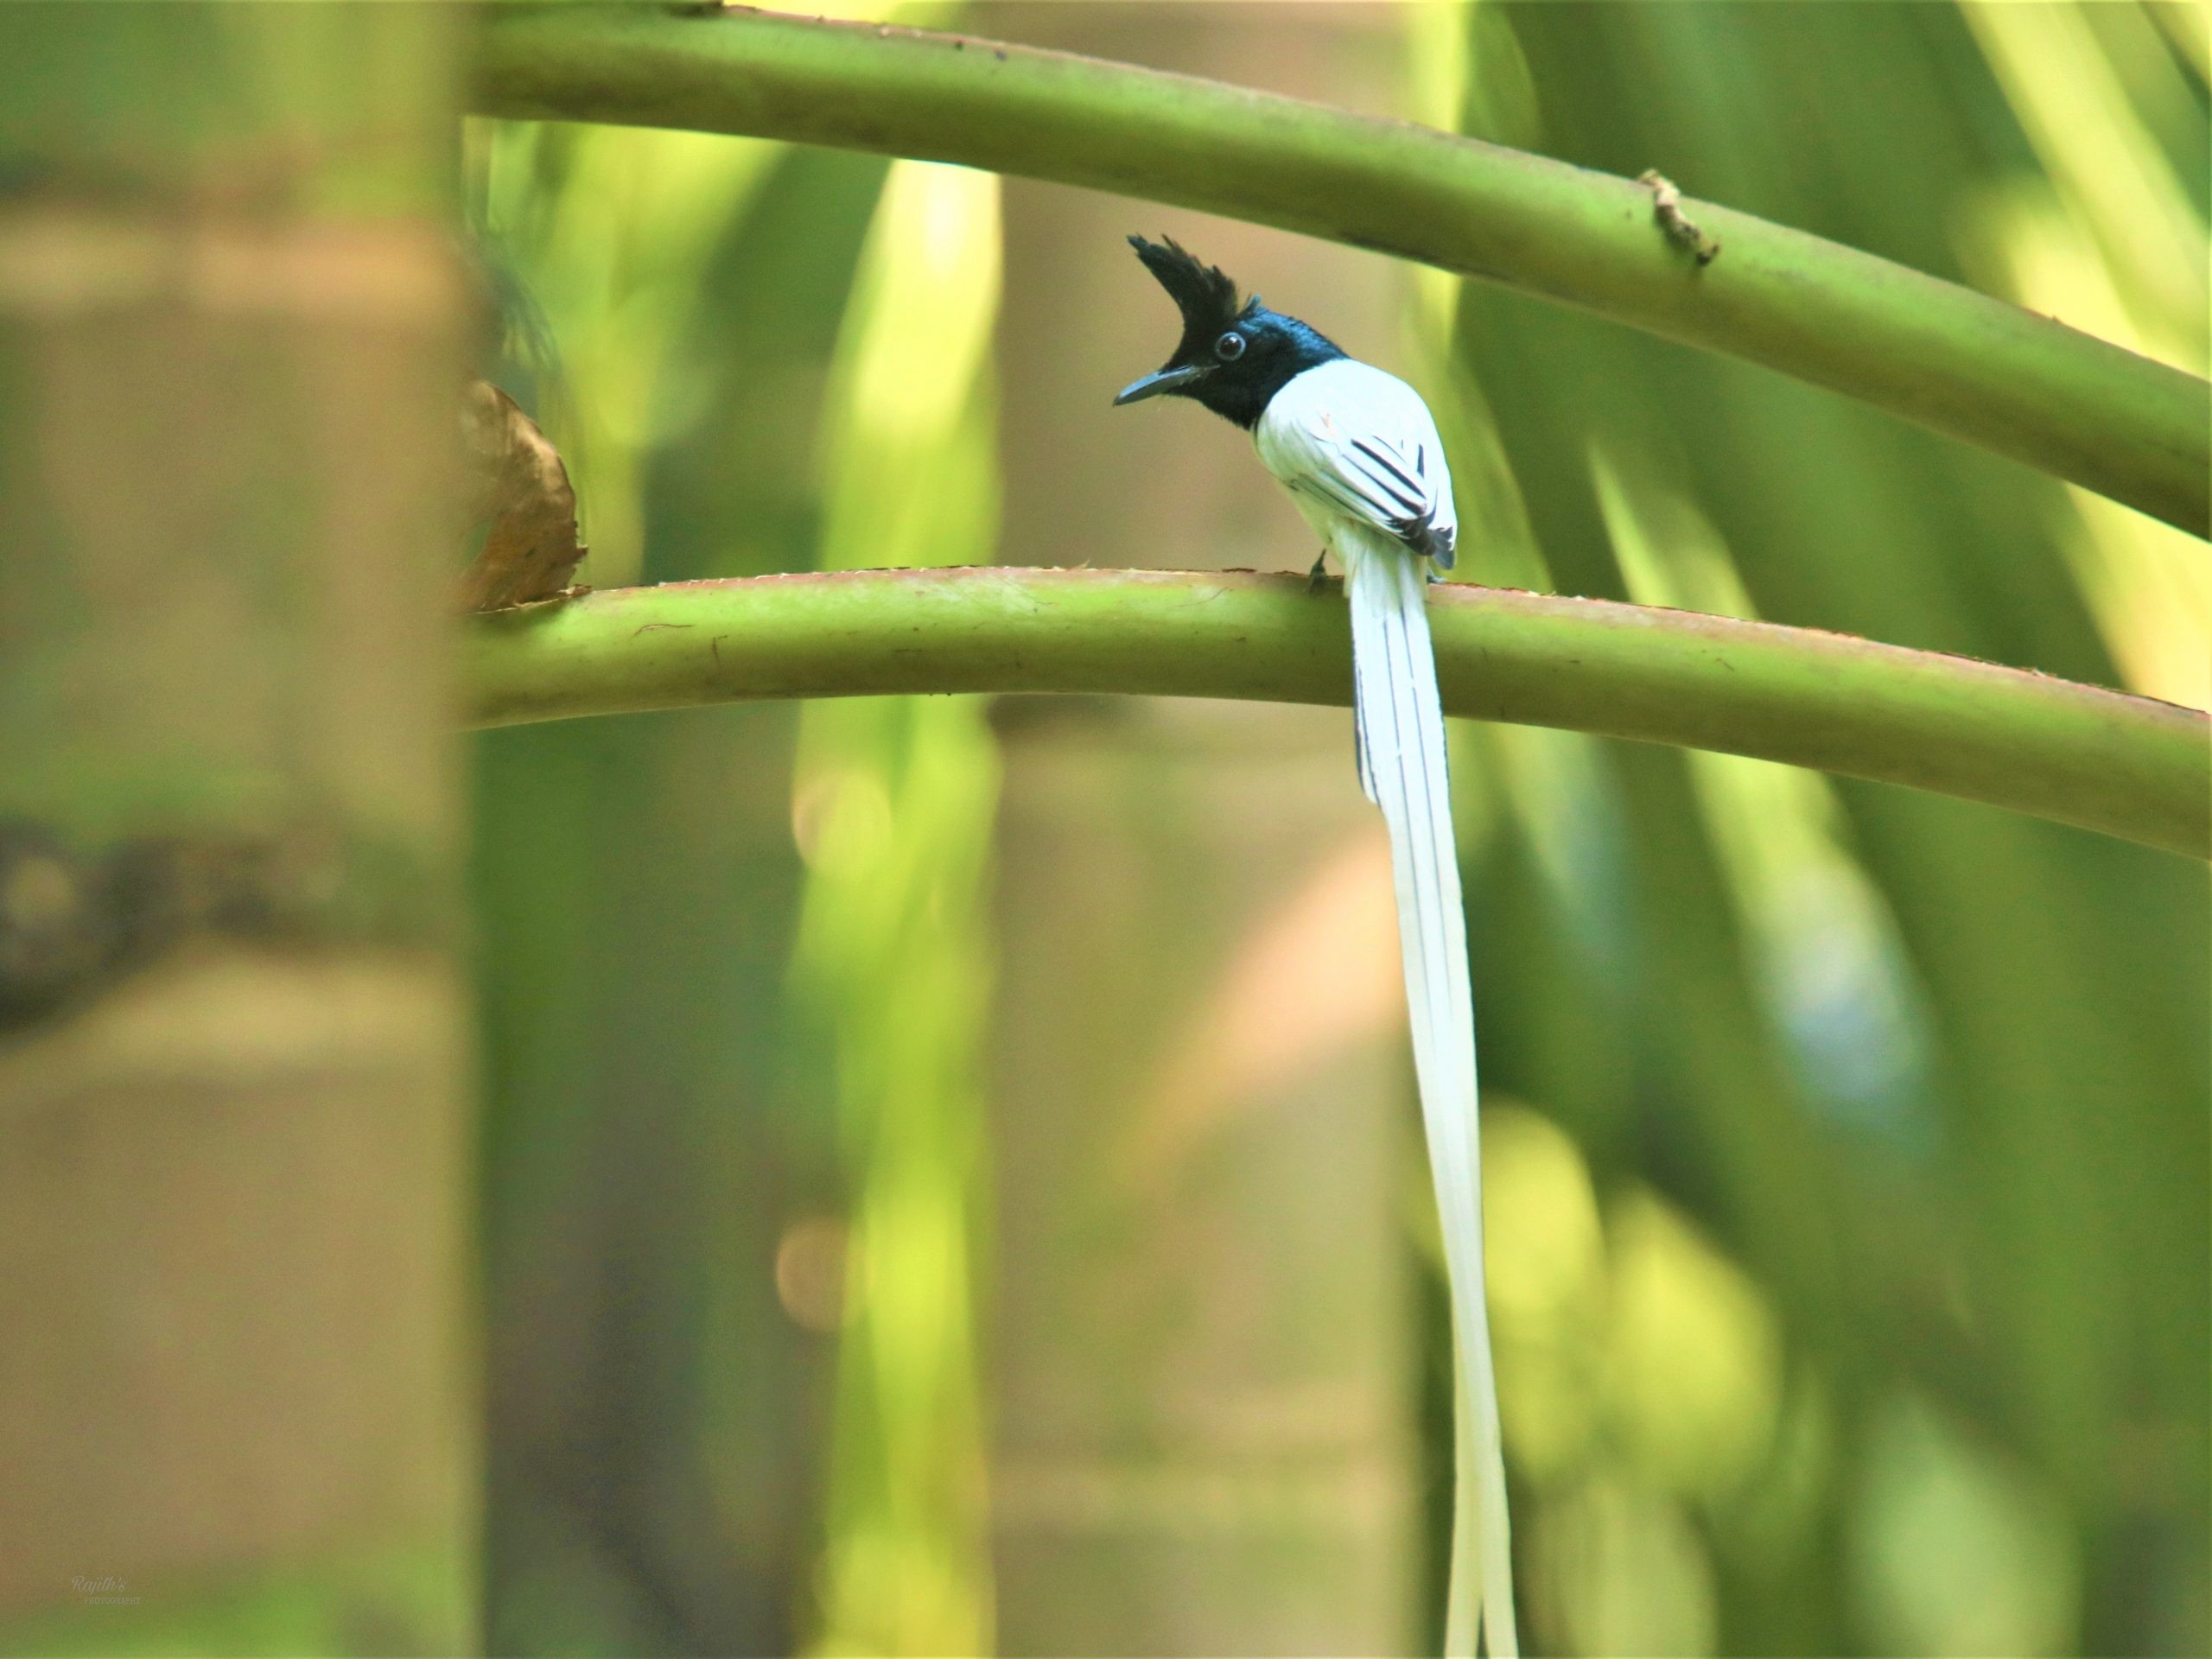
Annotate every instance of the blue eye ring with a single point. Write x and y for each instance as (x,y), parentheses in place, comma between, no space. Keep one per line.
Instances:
(1230,346)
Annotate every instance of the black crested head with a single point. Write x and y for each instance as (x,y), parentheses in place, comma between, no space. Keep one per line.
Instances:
(1233,356)
(1204,294)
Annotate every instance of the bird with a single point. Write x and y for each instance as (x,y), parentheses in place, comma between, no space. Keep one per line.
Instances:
(1359,453)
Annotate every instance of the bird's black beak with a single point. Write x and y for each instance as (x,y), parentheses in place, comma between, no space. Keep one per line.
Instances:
(1152,386)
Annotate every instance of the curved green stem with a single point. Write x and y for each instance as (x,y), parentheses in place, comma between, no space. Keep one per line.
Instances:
(2123,765)
(1952,359)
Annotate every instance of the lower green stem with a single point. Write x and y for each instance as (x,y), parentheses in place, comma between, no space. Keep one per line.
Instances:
(2099,759)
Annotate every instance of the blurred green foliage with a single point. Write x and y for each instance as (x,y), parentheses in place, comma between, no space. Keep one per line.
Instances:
(1932,1078)
(893,806)
(1847,1148)
(661,1169)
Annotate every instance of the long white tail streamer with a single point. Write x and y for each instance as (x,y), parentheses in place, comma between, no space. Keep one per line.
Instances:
(1399,721)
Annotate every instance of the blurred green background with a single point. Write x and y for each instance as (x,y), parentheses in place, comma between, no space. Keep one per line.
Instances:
(951,1177)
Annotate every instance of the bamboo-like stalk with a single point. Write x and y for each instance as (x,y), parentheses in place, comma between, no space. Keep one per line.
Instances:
(1954,360)
(233,1008)
(2122,765)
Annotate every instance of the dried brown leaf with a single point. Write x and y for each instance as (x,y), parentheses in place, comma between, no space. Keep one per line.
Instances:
(518,483)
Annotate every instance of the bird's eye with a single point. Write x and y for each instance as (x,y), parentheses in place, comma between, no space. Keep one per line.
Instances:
(1229,347)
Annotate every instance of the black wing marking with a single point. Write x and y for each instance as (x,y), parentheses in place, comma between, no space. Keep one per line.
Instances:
(1394,478)
(1344,495)
(1402,497)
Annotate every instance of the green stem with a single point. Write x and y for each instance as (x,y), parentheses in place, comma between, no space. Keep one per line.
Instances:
(2077,754)
(1955,361)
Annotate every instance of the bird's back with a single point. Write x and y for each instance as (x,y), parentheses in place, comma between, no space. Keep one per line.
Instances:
(1352,442)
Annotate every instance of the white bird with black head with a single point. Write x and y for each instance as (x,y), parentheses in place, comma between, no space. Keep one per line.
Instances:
(1359,454)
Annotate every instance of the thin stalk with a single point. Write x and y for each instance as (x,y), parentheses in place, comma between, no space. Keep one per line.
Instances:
(1955,361)
(2122,765)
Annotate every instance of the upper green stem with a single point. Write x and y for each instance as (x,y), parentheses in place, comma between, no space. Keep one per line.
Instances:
(2124,765)
(1955,361)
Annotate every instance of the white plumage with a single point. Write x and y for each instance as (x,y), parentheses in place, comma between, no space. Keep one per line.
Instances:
(1359,453)
(1353,444)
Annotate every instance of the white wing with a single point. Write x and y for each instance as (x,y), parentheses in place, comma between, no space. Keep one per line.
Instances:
(1352,442)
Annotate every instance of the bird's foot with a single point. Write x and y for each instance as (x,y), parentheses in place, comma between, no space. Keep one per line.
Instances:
(1319,573)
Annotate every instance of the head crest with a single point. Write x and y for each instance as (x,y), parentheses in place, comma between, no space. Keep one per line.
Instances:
(1205,294)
